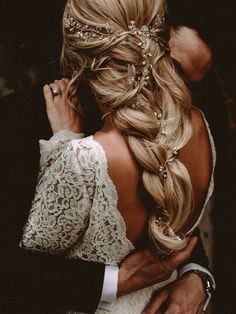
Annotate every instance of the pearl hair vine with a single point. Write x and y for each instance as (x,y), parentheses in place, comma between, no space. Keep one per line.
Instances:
(162,222)
(145,34)
(108,30)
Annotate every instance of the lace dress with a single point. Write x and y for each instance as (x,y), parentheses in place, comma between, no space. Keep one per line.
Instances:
(75,210)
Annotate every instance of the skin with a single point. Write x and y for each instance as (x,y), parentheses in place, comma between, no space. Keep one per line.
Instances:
(185,295)
(191,52)
(140,269)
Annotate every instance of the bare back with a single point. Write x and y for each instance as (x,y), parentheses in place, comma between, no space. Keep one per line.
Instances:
(196,155)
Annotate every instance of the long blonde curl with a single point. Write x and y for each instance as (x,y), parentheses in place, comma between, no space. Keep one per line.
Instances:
(108,65)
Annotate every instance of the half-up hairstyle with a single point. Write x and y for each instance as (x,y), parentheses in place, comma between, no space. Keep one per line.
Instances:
(118,47)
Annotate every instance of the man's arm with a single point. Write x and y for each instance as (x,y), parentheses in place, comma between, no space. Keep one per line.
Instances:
(33,283)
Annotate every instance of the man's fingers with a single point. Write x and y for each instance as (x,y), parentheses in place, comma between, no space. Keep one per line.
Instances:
(184,254)
(174,261)
(174,309)
(156,302)
(143,257)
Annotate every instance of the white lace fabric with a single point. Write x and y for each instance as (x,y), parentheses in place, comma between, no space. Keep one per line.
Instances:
(75,210)
(75,204)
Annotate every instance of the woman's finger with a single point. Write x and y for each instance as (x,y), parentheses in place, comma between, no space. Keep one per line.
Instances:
(55,90)
(63,85)
(47,93)
(72,88)
(66,80)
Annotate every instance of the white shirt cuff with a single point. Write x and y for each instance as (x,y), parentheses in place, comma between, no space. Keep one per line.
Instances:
(110,285)
(193,266)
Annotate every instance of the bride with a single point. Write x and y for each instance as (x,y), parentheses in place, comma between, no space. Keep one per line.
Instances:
(146,175)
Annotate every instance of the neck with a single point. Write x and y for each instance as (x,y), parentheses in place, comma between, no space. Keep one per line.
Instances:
(107,125)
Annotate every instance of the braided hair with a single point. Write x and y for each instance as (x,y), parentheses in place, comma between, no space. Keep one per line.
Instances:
(120,48)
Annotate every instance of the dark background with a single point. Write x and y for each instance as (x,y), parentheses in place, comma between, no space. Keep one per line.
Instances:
(30,40)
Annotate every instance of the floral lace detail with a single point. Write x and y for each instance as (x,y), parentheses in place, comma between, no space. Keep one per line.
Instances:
(61,206)
(105,238)
(75,205)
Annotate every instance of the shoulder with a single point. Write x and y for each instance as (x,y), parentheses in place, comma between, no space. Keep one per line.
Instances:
(115,147)
(198,155)
(198,122)
(82,143)
(200,141)
(88,151)
(120,160)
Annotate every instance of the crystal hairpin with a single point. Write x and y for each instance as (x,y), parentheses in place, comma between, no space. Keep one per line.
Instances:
(163,171)
(133,105)
(170,232)
(175,152)
(158,116)
(136,105)
(151,32)
(90,33)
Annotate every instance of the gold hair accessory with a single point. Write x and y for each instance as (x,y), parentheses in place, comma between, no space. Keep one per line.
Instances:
(145,33)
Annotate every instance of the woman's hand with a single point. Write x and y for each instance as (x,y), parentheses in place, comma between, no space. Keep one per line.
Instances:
(61,115)
(186,295)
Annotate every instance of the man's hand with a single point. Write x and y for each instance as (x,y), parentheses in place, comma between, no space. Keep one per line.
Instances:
(191,52)
(61,114)
(141,269)
(186,295)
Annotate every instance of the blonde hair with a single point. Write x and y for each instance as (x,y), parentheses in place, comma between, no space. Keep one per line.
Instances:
(108,65)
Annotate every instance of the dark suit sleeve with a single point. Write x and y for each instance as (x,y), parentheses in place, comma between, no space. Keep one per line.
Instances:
(32,283)
(199,255)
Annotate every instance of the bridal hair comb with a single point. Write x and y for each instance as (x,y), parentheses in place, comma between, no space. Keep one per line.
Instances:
(90,33)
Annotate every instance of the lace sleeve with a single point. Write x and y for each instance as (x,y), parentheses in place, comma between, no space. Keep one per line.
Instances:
(51,149)
(60,210)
